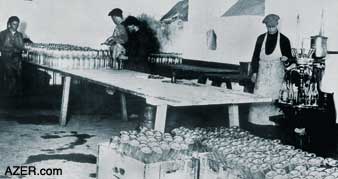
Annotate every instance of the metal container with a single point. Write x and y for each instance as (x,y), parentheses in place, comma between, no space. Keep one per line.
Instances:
(319,43)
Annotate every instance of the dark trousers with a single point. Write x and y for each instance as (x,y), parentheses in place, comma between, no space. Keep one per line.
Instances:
(10,75)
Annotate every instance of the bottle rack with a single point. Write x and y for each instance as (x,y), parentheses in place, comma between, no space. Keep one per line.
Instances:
(301,83)
(166,58)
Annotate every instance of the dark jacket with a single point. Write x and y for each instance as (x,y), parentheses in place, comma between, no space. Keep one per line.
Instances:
(11,43)
(139,46)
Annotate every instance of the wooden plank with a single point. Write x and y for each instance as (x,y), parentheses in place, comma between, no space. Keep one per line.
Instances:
(182,93)
(124,107)
(161,115)
(113,165)
(233,115)
(110,163)
(65,99)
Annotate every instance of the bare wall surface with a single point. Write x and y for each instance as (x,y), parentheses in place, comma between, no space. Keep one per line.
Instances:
(81,22)
(236,35)
(86,23)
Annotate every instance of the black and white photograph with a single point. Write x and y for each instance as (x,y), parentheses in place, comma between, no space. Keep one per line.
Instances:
(168,89)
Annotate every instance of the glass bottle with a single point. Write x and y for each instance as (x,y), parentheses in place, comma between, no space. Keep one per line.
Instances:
(295,94)
(315,94)
(284,92)
(290,93)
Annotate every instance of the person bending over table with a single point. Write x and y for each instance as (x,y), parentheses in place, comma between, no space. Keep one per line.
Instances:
(120,37)
(141,43)
(272,52)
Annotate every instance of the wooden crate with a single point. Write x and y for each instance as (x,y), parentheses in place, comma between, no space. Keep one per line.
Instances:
(113,165)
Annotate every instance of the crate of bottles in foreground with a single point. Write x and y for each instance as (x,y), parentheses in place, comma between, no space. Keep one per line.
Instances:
(207,153)
(113,164)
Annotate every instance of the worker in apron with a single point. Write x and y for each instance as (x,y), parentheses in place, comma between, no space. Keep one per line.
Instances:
(272,52)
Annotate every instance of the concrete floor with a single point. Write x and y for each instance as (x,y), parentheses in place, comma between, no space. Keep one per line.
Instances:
(44,144)
(30,134)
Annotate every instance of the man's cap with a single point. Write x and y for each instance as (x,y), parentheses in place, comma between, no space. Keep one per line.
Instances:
(271,20)
(115,12)
(131,20)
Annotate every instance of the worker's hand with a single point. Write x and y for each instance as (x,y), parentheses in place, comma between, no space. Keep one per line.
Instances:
(253,78)
(105,43)
(283,58)
(290,67)
(123,57)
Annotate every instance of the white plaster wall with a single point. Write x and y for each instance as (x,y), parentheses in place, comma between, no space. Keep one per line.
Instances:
(310,19)
(82,22)
(237,35)
(85,22)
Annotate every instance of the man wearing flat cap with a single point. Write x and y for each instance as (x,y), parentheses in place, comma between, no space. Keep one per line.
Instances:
(272,52)
(119,37)
(11,47)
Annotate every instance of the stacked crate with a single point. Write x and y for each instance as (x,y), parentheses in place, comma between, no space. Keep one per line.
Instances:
(113,165)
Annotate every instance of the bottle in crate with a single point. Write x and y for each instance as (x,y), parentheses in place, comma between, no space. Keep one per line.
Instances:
(149,114)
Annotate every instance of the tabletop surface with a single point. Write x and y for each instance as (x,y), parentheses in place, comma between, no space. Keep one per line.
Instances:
(162,91)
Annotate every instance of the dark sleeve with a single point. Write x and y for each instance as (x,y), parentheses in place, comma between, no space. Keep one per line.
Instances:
(257,51)
(285,46)
(148,43)
(2,39)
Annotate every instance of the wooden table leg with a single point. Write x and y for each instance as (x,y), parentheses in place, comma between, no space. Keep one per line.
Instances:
(161,116)
(228,84)
(233,115)
(124,107)
(65,99)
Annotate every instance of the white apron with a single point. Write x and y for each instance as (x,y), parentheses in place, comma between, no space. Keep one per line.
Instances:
(269,82)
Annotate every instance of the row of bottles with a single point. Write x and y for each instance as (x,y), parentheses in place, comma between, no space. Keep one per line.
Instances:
(69,56)
(306,95)
(165,58)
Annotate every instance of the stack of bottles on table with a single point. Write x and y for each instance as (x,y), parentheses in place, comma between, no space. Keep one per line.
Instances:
(165,58)
(67,56)
(300,86)
(244,155)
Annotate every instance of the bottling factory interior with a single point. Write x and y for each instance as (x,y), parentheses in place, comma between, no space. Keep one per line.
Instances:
(187,89)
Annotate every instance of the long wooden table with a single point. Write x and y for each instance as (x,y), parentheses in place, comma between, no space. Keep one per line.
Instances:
(157,92)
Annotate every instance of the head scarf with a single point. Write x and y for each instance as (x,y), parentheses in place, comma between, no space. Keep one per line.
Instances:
(12,19)
(131,20)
